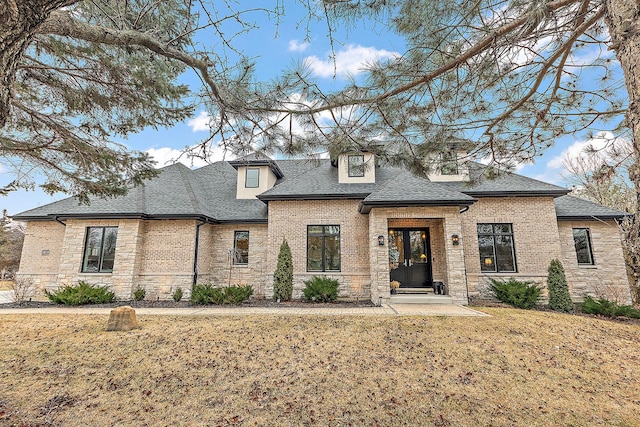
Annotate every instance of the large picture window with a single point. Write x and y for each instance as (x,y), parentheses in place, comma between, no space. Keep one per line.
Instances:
(497,251)
(241,248)
(323,248)
(99,249)
(582,242)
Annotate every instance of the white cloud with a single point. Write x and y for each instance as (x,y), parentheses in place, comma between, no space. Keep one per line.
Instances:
(351,60)
(200,123)
(577,149)
(296,46)
(165,156)
(555,171)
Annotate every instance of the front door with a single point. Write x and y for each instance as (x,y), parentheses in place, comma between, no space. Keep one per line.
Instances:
(410,257)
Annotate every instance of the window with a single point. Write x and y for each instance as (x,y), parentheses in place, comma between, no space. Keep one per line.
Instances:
(355,165)
(582,242)
(252,178)
(449,163)
(241,248)
(99,249)
(497,252)
(323,248)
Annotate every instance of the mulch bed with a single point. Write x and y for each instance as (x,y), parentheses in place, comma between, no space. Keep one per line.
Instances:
(186,304)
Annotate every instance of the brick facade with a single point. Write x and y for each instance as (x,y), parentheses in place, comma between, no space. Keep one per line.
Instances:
(535,234)
(159,254)
(289,220)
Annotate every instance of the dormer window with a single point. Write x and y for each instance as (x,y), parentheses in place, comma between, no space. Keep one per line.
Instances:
(449,163)
(252,178)
(355,165)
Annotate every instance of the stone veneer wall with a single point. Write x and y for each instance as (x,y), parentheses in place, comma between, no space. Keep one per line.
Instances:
(157,255)
(607,278)
(450,257)
(535,232)
(289,219)
(216,242)
(126,262)
(41,252)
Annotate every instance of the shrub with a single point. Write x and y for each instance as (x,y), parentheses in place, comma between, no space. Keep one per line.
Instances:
(23,290)
(559,298)
(608,308)
(237,294)
(82,293)
(139,293)
(177,294)
(320,289)
(205,294)
(283,276)
(520,294)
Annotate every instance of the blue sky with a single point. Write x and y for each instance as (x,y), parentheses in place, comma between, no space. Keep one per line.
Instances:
(275,51)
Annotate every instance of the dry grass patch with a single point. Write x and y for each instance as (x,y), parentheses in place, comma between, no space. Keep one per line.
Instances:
(516,368)
(6,285)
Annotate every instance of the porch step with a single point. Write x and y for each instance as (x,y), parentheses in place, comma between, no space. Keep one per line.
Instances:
(420,299)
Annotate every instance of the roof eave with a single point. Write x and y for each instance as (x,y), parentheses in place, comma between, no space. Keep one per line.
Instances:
(551,193)
(365,207)
(268,198)
(63,217)
(591,217)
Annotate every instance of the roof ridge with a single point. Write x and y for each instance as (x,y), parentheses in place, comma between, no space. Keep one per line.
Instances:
(192,196)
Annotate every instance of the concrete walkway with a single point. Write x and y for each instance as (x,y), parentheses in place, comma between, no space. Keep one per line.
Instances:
(384,310)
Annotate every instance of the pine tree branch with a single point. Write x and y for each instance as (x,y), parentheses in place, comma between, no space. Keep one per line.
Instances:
(61,23)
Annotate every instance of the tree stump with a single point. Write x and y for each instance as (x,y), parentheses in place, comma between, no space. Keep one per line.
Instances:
(122,319)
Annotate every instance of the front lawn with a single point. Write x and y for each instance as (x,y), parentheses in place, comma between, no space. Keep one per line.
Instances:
(517,368)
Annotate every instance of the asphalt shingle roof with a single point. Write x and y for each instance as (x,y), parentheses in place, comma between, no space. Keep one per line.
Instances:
(505,184)
(570,207)
(209,193)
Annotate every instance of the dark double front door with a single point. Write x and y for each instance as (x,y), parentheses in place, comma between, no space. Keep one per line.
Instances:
(410,257)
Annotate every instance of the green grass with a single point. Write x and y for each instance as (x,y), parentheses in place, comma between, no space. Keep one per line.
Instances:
(517,368)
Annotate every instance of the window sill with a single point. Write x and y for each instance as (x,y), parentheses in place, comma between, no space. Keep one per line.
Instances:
(588,266)
(241,265)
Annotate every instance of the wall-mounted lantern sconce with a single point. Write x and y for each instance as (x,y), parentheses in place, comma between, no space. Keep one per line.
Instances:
(455,239)
(381,240)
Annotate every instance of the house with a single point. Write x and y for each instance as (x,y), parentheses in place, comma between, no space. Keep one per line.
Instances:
(349,219)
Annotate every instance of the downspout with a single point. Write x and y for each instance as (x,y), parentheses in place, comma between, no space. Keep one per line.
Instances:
(57,220)
(195,254)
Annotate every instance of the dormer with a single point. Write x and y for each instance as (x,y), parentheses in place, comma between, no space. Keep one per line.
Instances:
(356,168)
(255,176)
(450,166)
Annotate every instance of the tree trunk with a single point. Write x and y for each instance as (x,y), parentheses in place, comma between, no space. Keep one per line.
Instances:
(623,20)
(19,20)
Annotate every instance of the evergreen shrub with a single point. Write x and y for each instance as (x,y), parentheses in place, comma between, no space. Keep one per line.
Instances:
(559,298)
(206,293)
(320,289)
(283,276)
(139,293)
(177,294)
(80,294)
(608,308)
(520,294)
